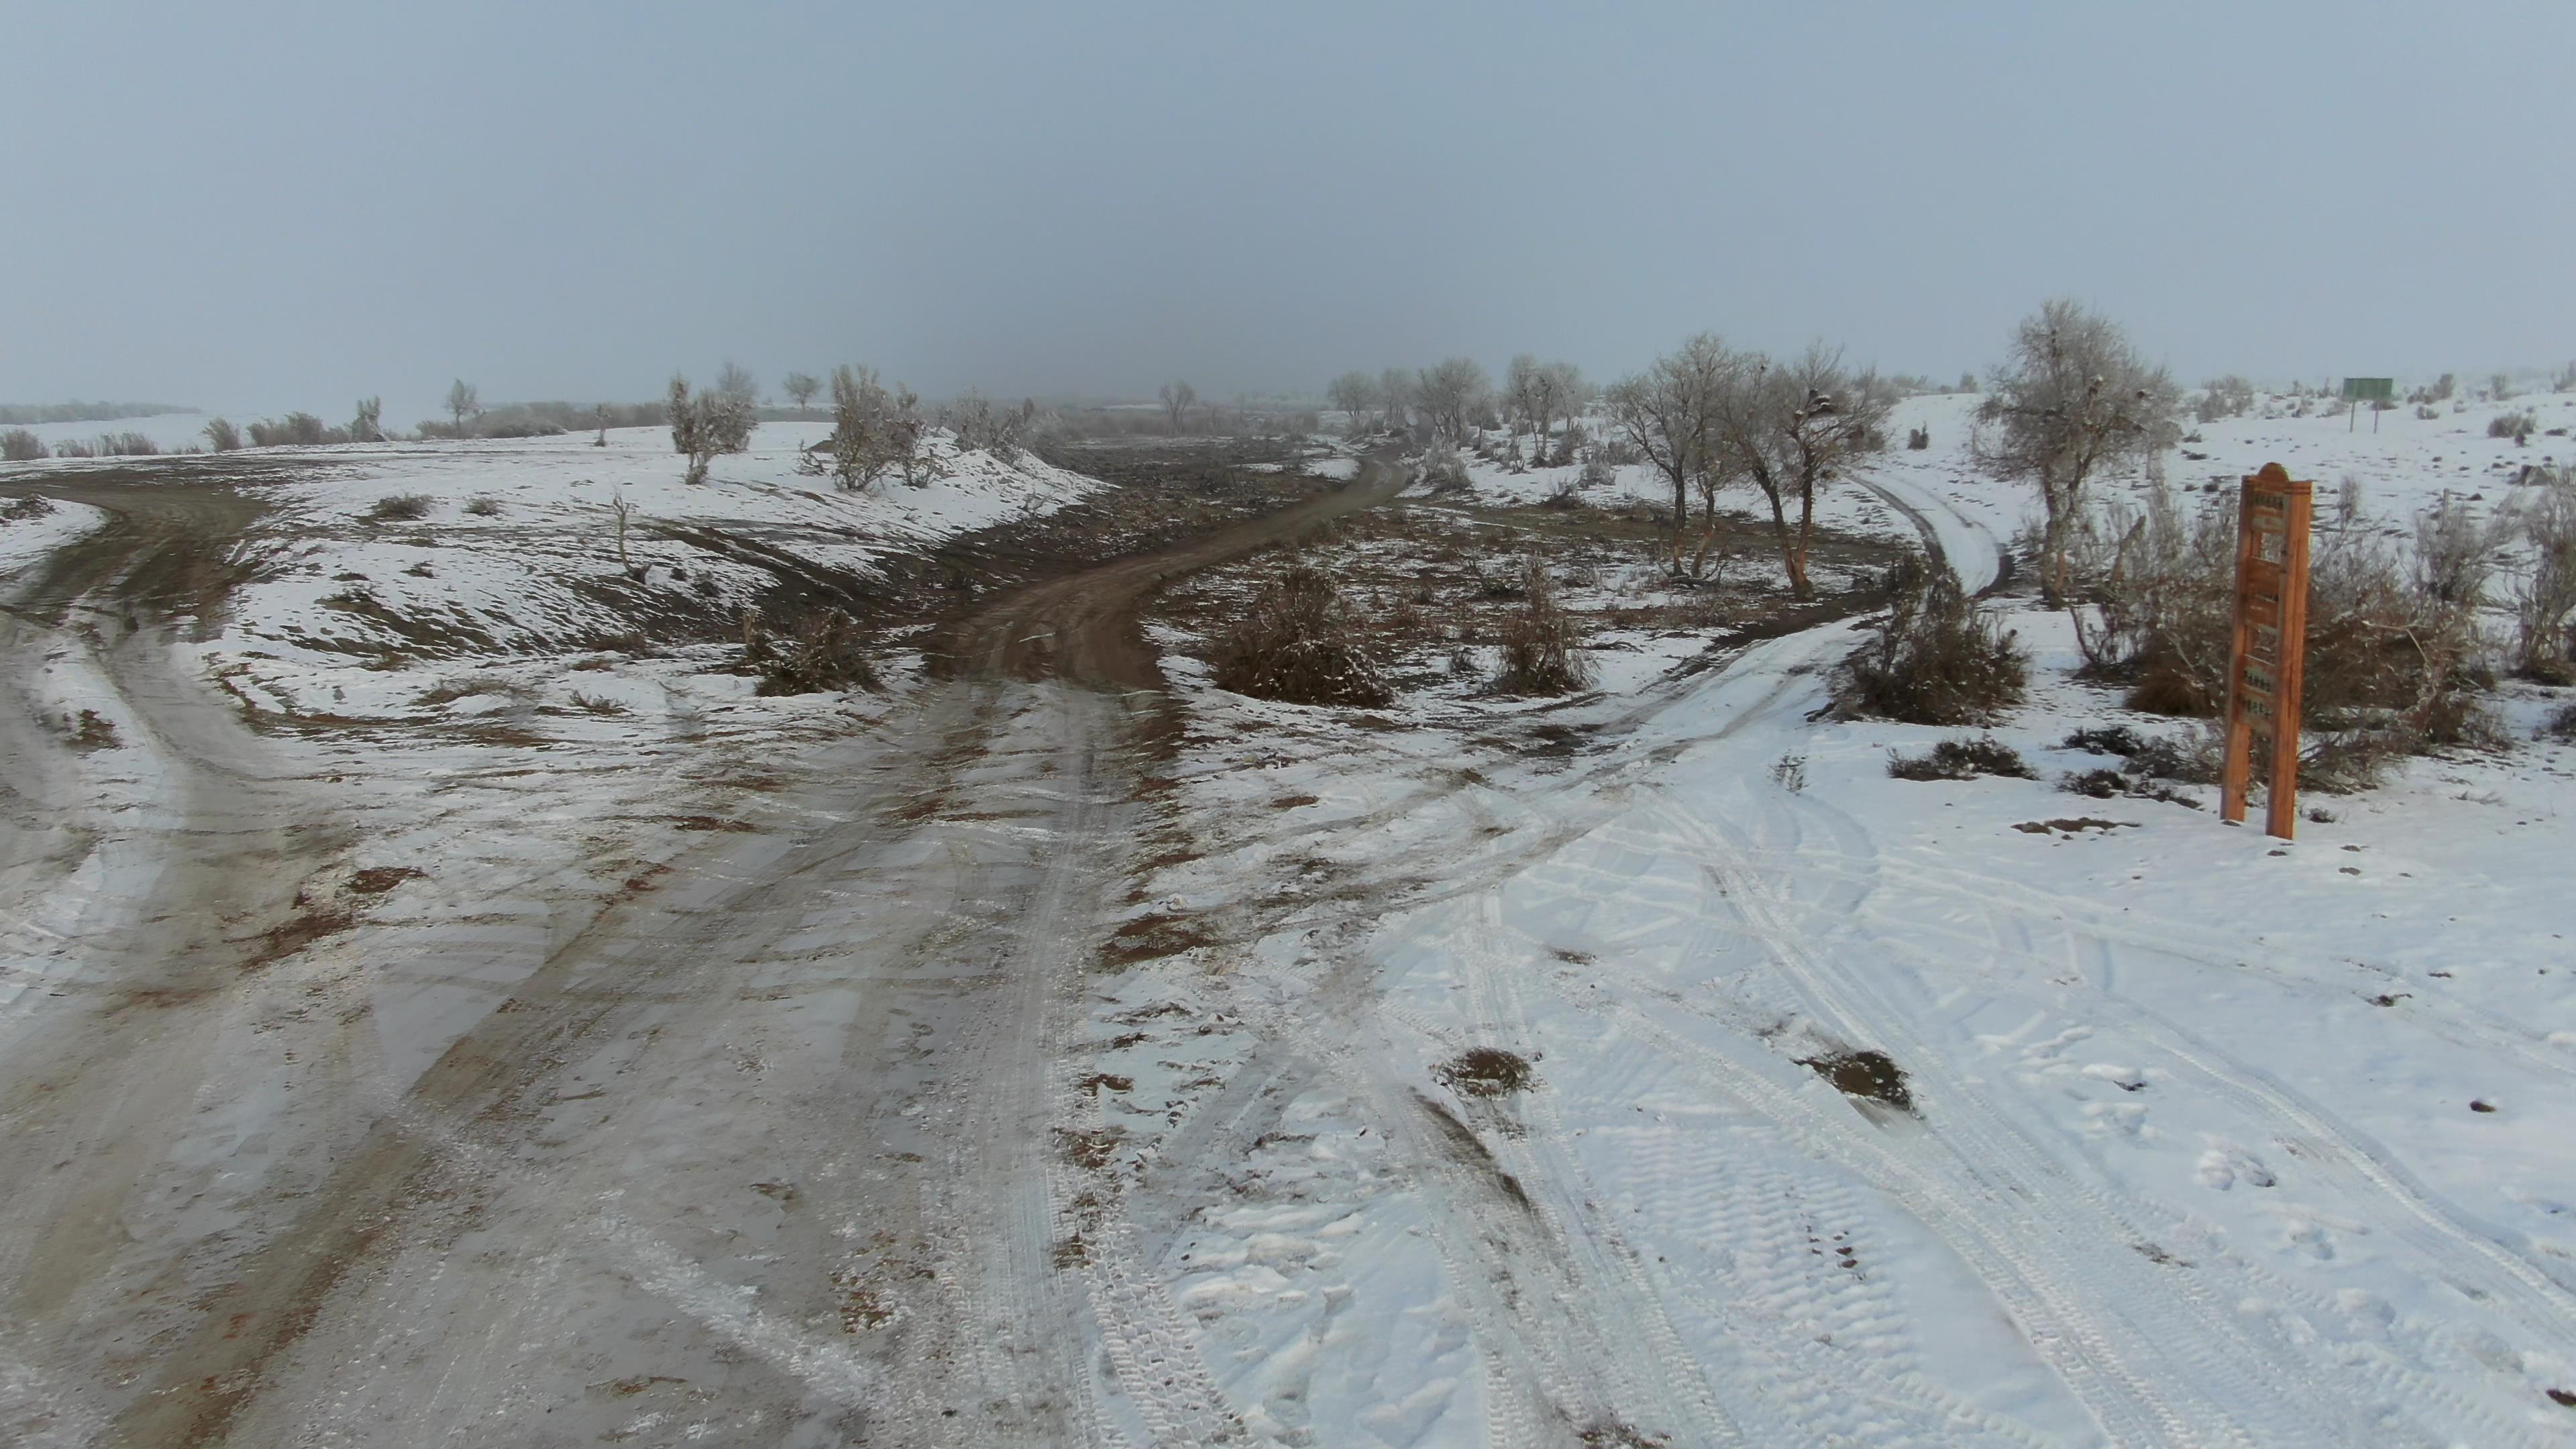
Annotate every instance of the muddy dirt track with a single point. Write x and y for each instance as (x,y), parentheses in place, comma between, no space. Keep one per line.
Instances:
(795,1078)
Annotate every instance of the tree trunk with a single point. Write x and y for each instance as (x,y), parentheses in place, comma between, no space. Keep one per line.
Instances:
(1681,520)
(1798,585)
(1792,556)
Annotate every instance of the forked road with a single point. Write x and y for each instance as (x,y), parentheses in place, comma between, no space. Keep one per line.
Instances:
(767,1144)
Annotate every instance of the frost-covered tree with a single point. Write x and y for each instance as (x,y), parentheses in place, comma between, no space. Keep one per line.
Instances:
(1669,414)
(463,398)
(801,387)
(716,421)
(1395,396)
(1789,429)
(2071,399)
(369,425)
(1538,395)
(732,409)
(874,430)
(1451,394)
(1353,394)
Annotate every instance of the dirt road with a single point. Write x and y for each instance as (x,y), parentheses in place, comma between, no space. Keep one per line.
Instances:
(771,1141)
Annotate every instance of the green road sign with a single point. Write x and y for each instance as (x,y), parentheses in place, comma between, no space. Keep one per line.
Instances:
(2370,389)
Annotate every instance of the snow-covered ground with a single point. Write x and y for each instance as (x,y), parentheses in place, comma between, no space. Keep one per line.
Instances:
(2205,1139)
(28,534)
(2212,1138)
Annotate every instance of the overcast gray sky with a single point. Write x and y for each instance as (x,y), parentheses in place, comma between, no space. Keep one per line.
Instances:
(258,206)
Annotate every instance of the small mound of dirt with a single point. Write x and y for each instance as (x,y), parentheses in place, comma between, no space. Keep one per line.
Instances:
(375,880)
(2072,826)
(1484,1072)
(1870,1074)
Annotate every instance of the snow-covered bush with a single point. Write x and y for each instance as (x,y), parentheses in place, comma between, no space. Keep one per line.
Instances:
(716,421)
(1442,470)
(983,428)
(2517,426)
(1299,642)
(874,431)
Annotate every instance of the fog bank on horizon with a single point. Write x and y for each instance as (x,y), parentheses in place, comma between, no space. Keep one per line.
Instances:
(276,205)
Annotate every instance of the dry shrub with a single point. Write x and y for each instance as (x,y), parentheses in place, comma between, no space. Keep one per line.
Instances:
(1961,759)
(1541,644)
(2561,725)
(18,445)
(2394,652)
(1938,658)
(2545,599)
(824,654)
(400,506)
(1299,642)
(2153,757)
(31,506)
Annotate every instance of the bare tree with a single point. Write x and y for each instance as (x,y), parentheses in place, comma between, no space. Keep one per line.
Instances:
(2070,400)
(369,425)
(625,513)
(1451,394)
(801,387)
(1523,399)
(1789,429)
(1395,396)
(463,398)
(1353,394)
(1562,393)
(1178,399)
(1668,412)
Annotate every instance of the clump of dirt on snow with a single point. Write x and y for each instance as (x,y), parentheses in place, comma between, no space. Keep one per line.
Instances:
(1864,1073)
(1484,1072)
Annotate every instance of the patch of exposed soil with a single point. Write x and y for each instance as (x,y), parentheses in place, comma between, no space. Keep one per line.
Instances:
(1485,1072)
(1864,1073)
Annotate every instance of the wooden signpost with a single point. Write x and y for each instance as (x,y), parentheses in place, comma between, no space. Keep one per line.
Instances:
(2267,662)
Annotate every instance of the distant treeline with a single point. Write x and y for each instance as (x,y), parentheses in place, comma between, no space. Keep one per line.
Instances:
(544,419)
(18,414)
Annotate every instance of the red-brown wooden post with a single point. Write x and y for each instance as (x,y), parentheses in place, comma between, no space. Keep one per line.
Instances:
(2266,659)
(2281,803)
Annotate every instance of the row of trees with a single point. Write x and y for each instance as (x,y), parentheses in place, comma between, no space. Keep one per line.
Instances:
(1451,399)
(1708,417)
(2071,401)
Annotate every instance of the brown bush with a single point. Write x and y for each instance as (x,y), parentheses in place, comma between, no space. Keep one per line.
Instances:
(824,654)
(1961,759)
(1938,658)
(1300,643)
(1541,644)
(2394,654)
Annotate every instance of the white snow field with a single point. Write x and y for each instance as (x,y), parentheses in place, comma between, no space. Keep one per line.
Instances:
(2212,1139)
(2203,1139)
